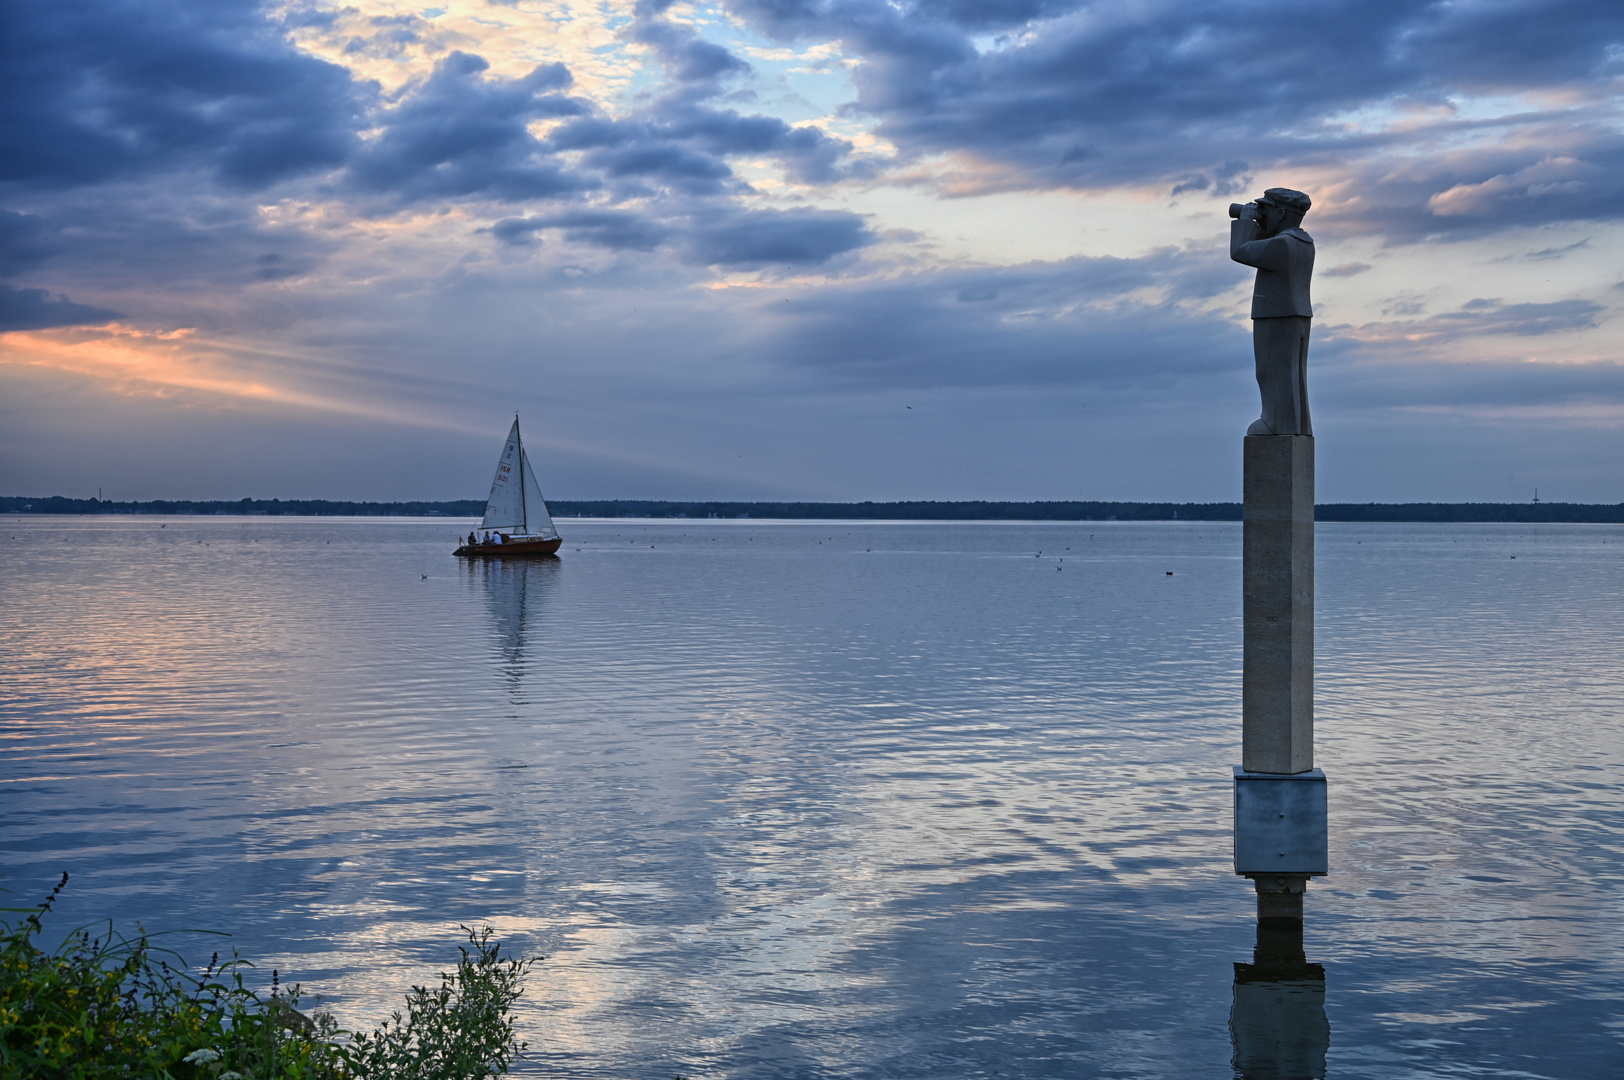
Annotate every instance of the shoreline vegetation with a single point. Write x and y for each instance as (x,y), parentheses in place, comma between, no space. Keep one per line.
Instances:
(104,1004)
(1506,513)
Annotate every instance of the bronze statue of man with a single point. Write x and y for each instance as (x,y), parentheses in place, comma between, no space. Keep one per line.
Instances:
(1265,234)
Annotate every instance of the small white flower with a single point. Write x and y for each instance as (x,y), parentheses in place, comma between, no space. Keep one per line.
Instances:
(232,1075)
(201,1057)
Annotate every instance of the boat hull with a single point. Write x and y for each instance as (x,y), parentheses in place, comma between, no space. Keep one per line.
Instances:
(513,549)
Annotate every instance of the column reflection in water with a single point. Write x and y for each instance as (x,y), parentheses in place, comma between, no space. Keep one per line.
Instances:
(1277,1022)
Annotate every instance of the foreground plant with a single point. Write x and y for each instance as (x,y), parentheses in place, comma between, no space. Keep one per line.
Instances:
(113,1006)
(461,1029)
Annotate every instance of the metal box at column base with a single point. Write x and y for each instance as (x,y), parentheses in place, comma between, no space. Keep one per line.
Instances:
(1281,823)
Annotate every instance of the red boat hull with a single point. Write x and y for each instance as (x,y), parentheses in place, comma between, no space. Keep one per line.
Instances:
(513,549)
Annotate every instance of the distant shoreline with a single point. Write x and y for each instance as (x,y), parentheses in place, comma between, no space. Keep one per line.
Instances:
(1511,513)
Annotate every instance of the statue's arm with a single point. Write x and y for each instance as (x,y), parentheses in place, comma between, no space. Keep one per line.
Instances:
(1242,231)
(1270,254)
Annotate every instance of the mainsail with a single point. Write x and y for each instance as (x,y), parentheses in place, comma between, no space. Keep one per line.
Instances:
(504,509)
(515,501)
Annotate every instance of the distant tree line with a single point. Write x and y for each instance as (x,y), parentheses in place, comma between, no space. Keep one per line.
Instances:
(1087,511)
(56,504)
(904,511)
(1529,513)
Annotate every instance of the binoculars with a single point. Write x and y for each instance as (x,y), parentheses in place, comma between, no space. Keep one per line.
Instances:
(1240,210)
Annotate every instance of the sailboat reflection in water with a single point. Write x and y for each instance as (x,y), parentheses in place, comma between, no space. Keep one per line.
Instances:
(515,512)
(516,594)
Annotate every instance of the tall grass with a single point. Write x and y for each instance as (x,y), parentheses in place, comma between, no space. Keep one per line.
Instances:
(106,1005)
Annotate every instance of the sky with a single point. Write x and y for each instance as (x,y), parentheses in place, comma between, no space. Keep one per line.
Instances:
(801,249)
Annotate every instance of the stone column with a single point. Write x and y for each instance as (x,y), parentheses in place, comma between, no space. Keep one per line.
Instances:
(1280,798)
(1277,685)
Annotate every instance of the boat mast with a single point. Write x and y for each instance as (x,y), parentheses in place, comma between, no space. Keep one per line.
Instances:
(524,508)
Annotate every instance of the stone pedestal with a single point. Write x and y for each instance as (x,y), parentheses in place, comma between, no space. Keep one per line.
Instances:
(1280,800)
(1281,823)
(1277,688)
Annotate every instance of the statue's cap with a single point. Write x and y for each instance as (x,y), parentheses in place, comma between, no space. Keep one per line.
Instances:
(1290,198)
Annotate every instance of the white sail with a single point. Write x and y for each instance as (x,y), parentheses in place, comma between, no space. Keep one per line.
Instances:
(538,521)
(505,507)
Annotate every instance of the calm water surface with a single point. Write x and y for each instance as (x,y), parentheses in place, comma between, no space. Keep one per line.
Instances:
(833,800)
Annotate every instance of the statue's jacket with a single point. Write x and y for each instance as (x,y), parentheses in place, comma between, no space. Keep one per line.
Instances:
(1284,265)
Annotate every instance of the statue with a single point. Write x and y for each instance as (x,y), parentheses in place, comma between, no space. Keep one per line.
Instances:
(1265,234)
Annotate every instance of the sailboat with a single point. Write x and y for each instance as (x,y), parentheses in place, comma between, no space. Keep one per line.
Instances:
(515,513)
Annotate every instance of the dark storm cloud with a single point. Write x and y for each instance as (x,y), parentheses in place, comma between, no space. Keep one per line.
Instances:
(107,90)
(1188,94)
(36,309)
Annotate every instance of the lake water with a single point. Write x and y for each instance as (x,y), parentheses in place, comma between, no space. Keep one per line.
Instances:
(819,800)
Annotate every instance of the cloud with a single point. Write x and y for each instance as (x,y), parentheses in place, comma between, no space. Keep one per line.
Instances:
(682,147)
(1121,326)
(709,236)
(1184,95)
(617,230)
(688,58)
(1394,382)
(648,204)
(197,93)
(1478,319)
(462,134)
(36,309)
(1523,174)
(1557,252)
(759,237)
(809,155)
(1557,177)
(465,133)
(22,242)
(105,91)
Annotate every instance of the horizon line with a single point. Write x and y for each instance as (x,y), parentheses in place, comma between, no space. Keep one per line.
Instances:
(1539,512)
